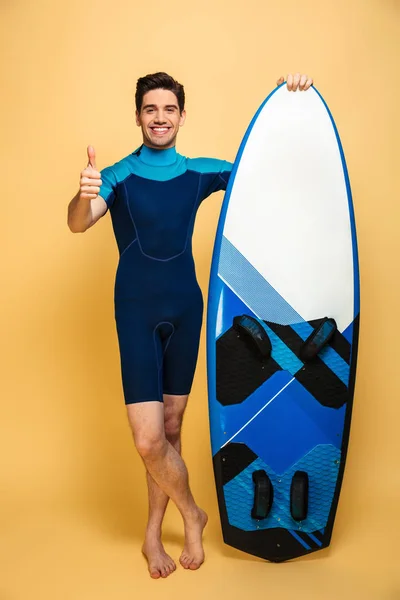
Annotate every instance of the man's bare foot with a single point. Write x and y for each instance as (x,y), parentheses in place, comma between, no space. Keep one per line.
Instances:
(159,563)
(193,554)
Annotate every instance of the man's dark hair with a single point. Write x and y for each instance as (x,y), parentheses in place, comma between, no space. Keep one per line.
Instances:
(157,81)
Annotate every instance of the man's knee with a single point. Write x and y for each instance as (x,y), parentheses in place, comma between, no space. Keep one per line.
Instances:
(147,424)
(150,447)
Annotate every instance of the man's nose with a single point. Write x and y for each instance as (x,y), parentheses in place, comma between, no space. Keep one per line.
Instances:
(160,117)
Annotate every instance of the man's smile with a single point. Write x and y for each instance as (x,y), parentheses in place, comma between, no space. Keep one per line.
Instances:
(160,130)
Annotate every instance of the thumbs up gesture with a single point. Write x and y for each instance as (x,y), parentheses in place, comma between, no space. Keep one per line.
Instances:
(90,181)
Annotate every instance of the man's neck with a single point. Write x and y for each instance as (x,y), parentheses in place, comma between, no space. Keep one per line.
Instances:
(161,157)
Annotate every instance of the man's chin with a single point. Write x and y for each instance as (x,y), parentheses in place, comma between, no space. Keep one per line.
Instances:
(161,143)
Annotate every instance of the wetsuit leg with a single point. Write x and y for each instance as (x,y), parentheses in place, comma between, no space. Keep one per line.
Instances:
(142,344)
(180,357)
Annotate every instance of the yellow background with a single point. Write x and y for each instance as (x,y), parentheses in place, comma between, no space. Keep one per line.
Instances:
(73,502)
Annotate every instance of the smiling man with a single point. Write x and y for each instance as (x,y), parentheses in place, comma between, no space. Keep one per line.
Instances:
(153,195)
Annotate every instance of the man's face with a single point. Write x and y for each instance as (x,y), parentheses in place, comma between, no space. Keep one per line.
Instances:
(160,119)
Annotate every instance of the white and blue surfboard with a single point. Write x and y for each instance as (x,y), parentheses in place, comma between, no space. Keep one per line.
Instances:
(282,331)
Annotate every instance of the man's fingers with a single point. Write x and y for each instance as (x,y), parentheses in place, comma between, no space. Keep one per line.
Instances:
(90,189)
(91,181)
(87,196)
(303,82)
(308,84)
(92,157)
(296,81)
(91,173)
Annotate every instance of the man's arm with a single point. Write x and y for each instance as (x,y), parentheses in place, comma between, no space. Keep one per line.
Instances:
(86,208)
(214,174)
(223,176)
(83,213)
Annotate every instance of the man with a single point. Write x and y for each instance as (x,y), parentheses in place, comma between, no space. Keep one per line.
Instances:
(153,195)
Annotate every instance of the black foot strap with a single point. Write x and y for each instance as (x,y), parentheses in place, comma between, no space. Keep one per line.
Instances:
(299,496)
(263,495)
(319,338)
(256,331)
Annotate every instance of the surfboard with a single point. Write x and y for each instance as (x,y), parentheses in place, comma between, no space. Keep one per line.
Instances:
(282,331)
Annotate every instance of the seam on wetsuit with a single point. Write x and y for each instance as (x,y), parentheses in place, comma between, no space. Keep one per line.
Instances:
(155,349)
(141,176)
(187,232)
(132,174)
(179,394)
(220,176)
(169,339)
(144,400)
(128,246)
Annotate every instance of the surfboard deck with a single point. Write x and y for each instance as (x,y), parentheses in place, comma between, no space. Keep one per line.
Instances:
(282,331)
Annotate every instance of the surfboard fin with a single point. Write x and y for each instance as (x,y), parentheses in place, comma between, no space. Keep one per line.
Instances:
(256,331)
(318,339)
(299,496)
(263,495)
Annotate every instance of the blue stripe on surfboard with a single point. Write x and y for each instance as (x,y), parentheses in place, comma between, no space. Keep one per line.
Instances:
(348,333)
(282,354)
(230,306)
(252,288)
(316,540)
(299,539)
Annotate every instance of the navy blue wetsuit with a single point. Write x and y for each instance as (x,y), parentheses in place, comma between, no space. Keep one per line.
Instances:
(153,197)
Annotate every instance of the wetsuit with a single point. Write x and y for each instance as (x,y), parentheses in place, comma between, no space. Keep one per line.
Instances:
(153,197)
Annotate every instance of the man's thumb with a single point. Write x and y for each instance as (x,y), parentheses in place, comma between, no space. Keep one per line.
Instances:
(91,156)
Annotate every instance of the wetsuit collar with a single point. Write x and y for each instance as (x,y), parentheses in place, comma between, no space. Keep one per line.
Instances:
(157,158)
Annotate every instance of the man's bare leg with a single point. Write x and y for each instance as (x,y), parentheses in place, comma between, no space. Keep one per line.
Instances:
(167,468)
(160,563)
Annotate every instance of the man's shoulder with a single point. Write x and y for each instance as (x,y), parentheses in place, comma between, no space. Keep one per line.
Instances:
(204,164)
(119,169)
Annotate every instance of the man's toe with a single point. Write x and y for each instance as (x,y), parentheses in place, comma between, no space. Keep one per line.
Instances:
(155,574)
(184,562)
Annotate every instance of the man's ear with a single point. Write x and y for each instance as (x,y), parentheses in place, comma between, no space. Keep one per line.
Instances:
(182,118)
(137,118)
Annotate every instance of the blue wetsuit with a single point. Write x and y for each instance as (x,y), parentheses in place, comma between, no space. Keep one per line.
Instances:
(153,197)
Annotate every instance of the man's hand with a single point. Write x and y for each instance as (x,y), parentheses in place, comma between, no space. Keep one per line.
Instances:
(90,182)
(302,82)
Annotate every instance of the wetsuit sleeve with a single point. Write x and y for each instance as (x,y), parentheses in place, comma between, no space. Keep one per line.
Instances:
(214,175)
(218,180)
(109,186)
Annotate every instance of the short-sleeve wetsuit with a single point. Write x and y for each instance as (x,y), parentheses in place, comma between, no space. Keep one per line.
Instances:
(153,197)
